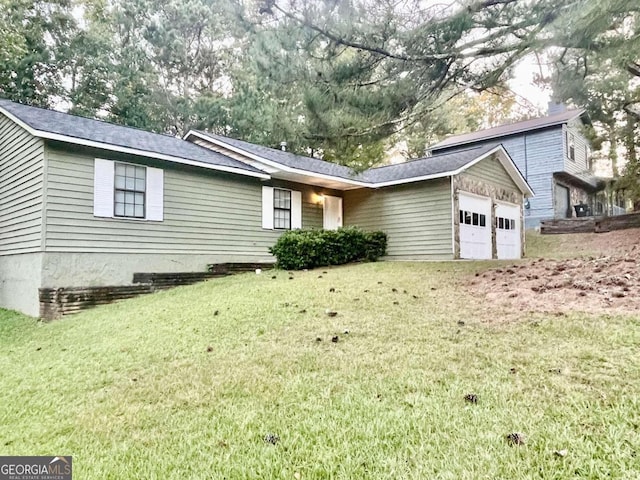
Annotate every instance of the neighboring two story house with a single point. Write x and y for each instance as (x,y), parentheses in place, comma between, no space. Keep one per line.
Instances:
(553,156)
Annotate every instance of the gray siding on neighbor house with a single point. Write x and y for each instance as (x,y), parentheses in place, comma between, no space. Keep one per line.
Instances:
(205,212)
(415,216)
(21,181)
(579,166)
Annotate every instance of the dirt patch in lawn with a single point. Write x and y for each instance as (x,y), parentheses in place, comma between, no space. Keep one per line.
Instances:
(607,281)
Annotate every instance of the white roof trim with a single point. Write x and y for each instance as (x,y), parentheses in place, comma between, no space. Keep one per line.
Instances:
(271,163)
(505,160)
(504,157)
(508,165)
(132,151)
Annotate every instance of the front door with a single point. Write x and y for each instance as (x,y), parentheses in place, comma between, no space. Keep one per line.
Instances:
(332,216)
(562,203)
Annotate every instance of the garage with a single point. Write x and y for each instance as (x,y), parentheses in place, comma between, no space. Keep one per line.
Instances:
(508,238)
(475,226)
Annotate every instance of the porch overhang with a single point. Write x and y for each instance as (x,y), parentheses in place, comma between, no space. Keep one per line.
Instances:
(594,184)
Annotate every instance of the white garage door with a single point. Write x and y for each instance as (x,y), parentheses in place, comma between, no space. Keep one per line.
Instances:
(475,226)
(508,240)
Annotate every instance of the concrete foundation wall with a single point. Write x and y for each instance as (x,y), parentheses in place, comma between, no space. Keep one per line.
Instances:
(110,269)
(20,277)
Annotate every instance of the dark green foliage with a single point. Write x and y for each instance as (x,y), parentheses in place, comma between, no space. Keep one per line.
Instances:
(300,249)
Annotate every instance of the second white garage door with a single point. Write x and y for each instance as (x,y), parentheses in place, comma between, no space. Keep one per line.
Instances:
(508,240)
(475,226)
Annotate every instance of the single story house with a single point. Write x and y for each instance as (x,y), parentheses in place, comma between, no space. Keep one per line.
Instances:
(85,203)
(553,155)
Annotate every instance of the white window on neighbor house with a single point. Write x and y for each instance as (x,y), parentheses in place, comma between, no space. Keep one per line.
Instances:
(281,209)
(126,190)
(571,146)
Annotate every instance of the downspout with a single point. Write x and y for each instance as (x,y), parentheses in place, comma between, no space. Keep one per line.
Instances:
(454,216)
(527,205)
(526,160)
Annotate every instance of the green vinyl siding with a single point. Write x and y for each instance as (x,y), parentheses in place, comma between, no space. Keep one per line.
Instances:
(311,214)
(205,212)
(491,171)
(21,181)
(415,216)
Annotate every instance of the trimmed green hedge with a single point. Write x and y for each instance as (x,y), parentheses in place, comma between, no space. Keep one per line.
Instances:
(300,249)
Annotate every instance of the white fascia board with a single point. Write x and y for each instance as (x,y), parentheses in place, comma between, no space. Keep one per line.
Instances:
(277,165)
(505,160)
(437,175)
(410,180)
(132,151)
(508,165)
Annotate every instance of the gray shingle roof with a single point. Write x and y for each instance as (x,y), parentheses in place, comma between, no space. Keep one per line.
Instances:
(287,159)
(508,129)
(73,127)
(438,164)
(107,133)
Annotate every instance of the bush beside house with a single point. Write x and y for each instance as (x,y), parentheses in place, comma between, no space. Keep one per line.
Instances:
(300,249)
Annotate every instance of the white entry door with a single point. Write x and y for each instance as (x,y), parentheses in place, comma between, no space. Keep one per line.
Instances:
(332,216)
(475,226)
(508,240)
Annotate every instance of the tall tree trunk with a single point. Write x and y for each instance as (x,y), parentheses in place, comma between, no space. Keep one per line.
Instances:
(613,151)
(632,168)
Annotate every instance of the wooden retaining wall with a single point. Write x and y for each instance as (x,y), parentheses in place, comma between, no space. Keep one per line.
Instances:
(590,224)
(57,302)
(619,222)
(568,225)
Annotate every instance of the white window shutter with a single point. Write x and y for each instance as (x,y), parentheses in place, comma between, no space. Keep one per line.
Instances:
(296,209)
(103,188)
(267,208)
(155,194)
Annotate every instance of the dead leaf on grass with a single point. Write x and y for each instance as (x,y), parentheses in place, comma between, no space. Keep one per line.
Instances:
(516,438)
(471,398)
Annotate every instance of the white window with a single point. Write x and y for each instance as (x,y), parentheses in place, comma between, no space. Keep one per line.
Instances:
(472,218)
(281,209)
(130,188)
(571,147)
(125,190)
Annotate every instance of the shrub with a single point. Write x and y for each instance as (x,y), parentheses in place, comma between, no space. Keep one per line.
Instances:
(299,249)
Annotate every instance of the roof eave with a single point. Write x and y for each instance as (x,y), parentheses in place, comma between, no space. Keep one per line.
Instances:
(132,151)
(439,146)
(349,184)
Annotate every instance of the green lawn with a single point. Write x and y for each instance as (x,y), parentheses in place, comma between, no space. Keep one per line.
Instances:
(163,387)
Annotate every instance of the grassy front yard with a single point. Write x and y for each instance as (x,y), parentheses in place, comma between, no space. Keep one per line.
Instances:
(187,383)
